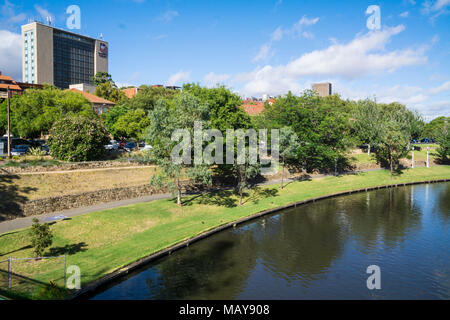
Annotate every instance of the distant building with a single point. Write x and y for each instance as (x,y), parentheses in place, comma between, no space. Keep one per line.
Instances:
(5,82)
(100,105)
(59,57)
(322,89)
(131,92)
(254,106)
(85,87)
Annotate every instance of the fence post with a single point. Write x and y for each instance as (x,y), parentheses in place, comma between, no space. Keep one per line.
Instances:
(9,272)
(65,270)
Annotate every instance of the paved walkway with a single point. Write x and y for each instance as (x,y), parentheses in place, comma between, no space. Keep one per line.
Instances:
(19,223)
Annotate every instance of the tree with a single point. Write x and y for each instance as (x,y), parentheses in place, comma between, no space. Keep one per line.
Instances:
(102,77)
(78,138)
(443,140)
(392,145)
(323,129)
(34,112)
(166,118)
(435,127)
(367,122)
(244,173)
(111,117)
(109,91)
(288,148)
(41,237)
(132,124)
(148,96)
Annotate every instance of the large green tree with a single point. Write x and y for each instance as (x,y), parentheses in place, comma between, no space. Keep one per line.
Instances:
(367,122)
(323,128)
(392,145)
(34,112)
(78,138)
(109,91)
(131,124)
(166,118)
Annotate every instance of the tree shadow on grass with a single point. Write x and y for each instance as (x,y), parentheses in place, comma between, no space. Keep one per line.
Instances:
(17,250)
(11,197)
(218,198)
(68,249)
(257,193)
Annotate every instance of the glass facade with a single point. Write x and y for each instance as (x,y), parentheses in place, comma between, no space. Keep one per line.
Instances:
(73,59)
(29,57)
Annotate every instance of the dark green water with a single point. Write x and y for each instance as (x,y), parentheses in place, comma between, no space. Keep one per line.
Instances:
(317,251)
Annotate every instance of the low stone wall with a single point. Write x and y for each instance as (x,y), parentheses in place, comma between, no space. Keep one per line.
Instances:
(70,166)
(12,210)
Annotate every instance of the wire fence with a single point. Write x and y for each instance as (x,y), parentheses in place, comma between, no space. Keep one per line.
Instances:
(26,277)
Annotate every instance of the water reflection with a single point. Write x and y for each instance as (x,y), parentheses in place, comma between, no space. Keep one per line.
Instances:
(319,250)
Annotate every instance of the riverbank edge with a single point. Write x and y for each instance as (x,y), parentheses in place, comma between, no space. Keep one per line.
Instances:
(95,285)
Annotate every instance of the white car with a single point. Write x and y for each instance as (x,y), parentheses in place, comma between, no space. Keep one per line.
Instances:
(113,145)
(147,147)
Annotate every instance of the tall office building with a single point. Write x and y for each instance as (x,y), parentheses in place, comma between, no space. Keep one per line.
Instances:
(322,89)
(59,57)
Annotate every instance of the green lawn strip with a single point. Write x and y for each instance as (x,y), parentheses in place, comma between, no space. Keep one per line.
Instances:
(102,242)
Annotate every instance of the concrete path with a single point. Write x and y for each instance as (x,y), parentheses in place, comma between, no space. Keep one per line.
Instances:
(19,223)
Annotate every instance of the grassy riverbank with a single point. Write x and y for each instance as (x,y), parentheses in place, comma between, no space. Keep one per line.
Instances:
(102,242)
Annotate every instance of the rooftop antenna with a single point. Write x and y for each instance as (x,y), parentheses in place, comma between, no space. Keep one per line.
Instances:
(101,36)
(49,21)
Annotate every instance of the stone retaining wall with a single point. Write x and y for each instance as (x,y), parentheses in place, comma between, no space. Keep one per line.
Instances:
(70,166)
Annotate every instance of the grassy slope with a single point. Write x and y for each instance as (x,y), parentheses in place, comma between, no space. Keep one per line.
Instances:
(107,240)
(45,185)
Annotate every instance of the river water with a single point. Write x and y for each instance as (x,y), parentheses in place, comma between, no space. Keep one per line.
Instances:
(317,251)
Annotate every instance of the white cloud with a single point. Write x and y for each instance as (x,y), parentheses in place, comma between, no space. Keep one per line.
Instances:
(212,79)
(44,13)
(168,16)
(178,78)
(264,53)
(9,15)
(442,88)
(404,14)
(364,55)
(11,54)
(438,5)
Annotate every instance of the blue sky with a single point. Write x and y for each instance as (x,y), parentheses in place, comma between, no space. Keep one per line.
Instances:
(262,47)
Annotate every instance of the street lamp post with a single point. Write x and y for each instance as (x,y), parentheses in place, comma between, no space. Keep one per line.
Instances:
(412,164)
(9,124)
(428,157)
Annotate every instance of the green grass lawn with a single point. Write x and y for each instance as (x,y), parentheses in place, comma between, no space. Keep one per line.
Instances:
(104,241)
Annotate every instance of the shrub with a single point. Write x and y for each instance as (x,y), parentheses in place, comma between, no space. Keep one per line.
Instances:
(15,158)
(78,139)
(41,237)
(37,152)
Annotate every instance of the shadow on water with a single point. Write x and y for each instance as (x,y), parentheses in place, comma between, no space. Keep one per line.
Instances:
(11,197)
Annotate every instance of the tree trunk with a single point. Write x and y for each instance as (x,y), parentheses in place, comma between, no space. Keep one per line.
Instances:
(240,195)
(282,176)
(178,192)
(368,149)
(391,167)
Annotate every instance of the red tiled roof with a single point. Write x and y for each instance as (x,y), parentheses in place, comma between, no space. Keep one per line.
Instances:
(130,92)
(252,107)
(11,83)
(93,98)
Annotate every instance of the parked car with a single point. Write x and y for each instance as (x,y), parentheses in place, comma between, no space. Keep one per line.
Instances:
(20,150)
(141,144)
(122,144)
(425,140)
(113,145)
(130,146)
(46,149)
